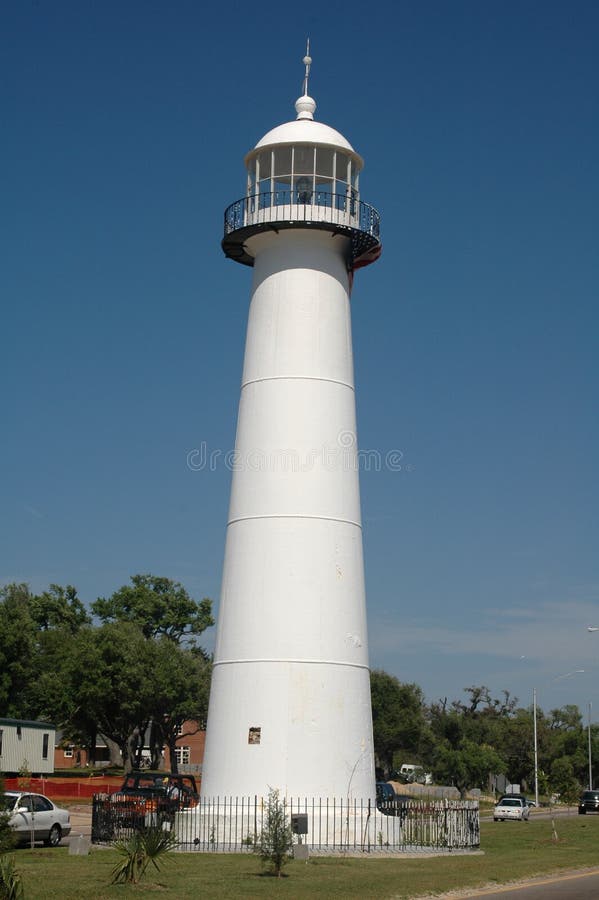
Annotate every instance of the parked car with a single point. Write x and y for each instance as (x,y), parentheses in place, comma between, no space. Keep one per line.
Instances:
(148,798)
(511,808)
(589,802)
(411,773)
(35,816)
(520,796)
(161,785)
(389,803)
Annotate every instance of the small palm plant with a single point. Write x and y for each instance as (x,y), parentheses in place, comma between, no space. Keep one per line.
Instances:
(11,887)
(153,845)
(275,841)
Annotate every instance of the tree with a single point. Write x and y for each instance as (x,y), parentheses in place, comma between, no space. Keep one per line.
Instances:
(113,667)
(36,635)
(466,765)
(159,607)
(17,649)
(182,687)
(59,607)
(516,744)
(123,685)
(562,779)
(177,668)
(398,717)
(468,738)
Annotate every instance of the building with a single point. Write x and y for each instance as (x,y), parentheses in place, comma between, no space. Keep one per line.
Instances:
(26,747)
(290,698)
(190,751)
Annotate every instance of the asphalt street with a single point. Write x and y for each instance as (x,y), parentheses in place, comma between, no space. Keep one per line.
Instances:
(582,885)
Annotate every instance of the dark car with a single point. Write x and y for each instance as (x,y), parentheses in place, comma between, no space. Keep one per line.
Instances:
(161,785)
(150,798)
(389,803)
(589,802)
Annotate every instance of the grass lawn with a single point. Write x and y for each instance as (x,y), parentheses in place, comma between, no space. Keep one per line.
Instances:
(512,851)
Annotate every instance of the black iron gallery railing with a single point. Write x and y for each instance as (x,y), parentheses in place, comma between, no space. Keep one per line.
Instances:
(302,206)
(233,824)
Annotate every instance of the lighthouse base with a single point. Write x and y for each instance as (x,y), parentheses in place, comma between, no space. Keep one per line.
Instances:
(303,728)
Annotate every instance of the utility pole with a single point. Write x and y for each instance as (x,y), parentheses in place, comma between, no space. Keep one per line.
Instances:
(534,713)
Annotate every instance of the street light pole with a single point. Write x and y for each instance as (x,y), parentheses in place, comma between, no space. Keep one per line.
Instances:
(590,752)
(534,713)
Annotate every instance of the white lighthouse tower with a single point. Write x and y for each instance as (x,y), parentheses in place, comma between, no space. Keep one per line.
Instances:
(290,700)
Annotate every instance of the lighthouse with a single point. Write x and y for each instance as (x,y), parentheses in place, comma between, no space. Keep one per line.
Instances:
(290,698)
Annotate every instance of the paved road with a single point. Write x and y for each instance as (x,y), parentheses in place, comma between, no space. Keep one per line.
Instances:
(81,823)
(583,885)
(557,812)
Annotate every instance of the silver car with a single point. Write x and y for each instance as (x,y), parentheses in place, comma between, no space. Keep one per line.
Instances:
(511,808)
(34,817)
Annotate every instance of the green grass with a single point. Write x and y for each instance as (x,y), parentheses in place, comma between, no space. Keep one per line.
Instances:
(512,851)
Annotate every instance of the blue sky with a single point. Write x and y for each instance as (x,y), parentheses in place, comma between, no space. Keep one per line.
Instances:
(475,336)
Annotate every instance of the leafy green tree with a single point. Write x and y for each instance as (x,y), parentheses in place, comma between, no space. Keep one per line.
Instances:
(398,717)
(140,667)
(113,665)
(563,740)
(159,607)
(178,670)
(182,687)
(17,649)
(60,672)
(60,617)
(121,684)
(466,765)
(484,717)
(469,738)
(36,634)
(59,607)
(515,742)
(562,779)
(566,719)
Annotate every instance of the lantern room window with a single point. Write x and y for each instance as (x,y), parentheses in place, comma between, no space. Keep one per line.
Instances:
(303,173)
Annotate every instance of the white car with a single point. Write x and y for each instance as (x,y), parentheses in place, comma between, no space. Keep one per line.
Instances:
(511,808)
(33,816)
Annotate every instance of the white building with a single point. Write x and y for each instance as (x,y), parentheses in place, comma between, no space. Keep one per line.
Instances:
(26,746)
(290,699)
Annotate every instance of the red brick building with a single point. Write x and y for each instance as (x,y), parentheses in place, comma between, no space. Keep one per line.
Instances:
(190,751)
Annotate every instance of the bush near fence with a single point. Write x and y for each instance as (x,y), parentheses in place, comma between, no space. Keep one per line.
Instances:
(233,824)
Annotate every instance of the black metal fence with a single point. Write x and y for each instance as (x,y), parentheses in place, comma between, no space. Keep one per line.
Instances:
(233,824)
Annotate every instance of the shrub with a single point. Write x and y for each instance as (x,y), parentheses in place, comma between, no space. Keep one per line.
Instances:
(7,838)
(276,838)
